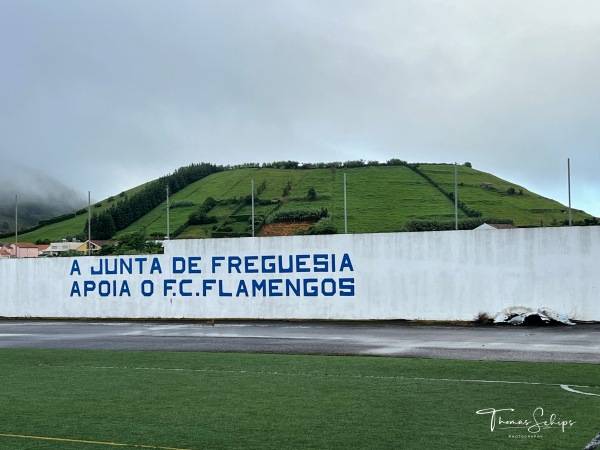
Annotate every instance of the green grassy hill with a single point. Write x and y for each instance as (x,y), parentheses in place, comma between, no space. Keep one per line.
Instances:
(380,198)
(525,209)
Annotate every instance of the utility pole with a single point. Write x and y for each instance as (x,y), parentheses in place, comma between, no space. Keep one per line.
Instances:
(455,197)
(345,208)
(16,226)
(569,183)
(168,216)
(252,207)
(89,222)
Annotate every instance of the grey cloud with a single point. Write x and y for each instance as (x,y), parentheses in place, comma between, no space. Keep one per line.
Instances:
(135,89)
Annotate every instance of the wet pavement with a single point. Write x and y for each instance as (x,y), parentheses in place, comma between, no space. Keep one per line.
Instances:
(559,343)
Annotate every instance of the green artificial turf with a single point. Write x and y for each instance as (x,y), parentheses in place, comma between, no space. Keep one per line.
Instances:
(106,399)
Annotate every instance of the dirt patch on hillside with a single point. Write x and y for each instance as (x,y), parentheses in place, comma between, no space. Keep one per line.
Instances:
(284,229)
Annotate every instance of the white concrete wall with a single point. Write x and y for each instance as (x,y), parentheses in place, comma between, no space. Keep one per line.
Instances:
(436,276)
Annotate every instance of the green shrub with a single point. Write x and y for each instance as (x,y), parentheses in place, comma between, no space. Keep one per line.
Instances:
(396,162)
(56,219)
(260,189)
(201,218)
(267,202)
(287,189)
(300,215)
(354,163)
(323,226)
(182,204)
(440,225)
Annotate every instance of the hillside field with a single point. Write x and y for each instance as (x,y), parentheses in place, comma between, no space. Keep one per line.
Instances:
(379,198)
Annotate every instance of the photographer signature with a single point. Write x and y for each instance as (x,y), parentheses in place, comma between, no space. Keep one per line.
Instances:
(534,424)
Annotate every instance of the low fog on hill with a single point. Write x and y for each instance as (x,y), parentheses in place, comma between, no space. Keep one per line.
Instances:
(39,196)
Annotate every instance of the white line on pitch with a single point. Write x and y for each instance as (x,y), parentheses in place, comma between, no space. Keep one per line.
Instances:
(324,375)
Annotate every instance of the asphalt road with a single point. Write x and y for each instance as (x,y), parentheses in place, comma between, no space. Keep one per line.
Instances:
(559,343)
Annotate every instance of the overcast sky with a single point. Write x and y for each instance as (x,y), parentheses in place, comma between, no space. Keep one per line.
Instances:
(104,95)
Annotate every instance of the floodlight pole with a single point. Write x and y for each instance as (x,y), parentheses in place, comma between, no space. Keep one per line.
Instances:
(455,197)
(16,225)
(569,183)
(345,208)
(252,207)
(89,222)
(168,216)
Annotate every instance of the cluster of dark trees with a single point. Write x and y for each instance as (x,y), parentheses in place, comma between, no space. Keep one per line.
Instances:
(320,165)
(131,208)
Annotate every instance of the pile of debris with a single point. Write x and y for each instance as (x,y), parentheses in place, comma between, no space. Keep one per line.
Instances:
(517,315)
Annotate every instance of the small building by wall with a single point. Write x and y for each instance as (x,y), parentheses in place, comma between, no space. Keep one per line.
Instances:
(495,226)
(93,246)
(24,250)
(56,248)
